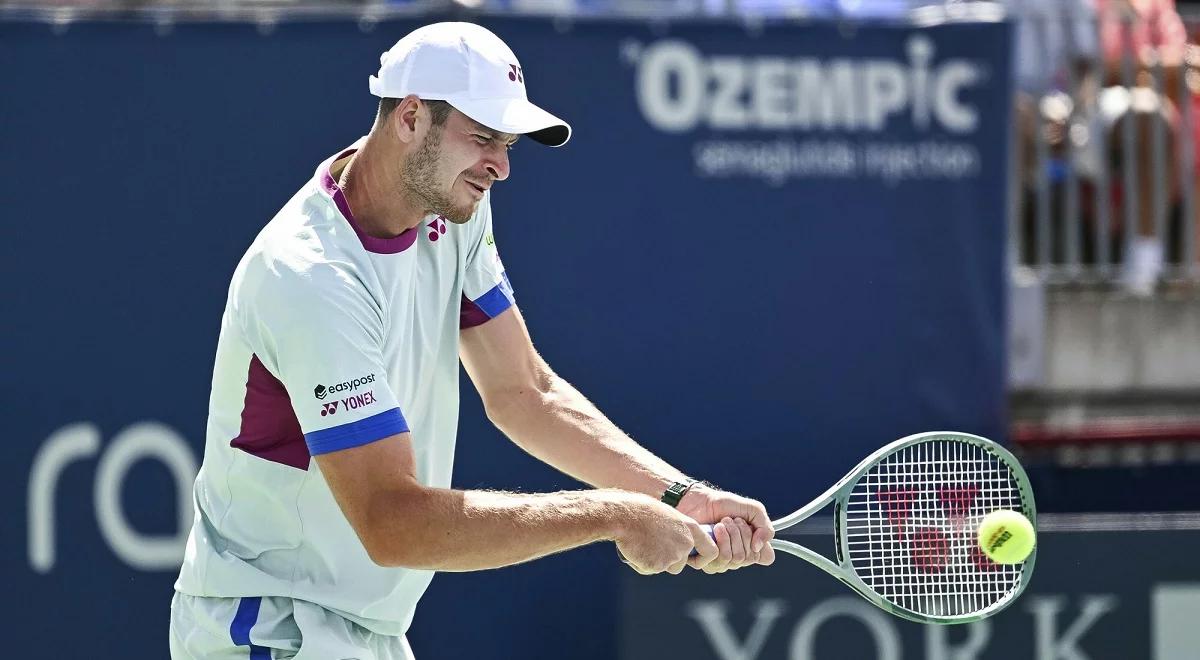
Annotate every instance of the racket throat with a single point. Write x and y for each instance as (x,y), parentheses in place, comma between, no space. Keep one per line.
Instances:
(838,553)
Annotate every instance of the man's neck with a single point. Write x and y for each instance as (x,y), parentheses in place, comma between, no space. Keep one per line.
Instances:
(375,195)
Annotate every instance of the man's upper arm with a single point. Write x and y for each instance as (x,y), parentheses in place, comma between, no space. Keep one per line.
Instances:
(319,333)
(501,361)
(360,476)
(494,344)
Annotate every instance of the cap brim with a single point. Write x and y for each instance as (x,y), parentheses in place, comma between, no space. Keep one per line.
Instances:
(516,116)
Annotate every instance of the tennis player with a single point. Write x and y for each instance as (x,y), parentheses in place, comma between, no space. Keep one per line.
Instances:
(323,505)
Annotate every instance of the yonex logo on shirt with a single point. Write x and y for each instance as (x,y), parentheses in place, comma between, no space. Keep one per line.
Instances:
(321,391)
(515,74)
(438,227)
(350,403)
(359,400)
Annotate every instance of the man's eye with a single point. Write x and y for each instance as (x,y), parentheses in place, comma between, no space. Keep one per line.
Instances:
(482,139)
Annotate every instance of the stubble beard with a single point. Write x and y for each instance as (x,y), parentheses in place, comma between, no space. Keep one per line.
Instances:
(420,181)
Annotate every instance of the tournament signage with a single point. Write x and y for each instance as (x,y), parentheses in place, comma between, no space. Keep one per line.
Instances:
(834,113)
(764,253)
(1143,609)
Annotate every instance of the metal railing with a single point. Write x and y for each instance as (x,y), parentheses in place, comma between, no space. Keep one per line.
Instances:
(1106,159)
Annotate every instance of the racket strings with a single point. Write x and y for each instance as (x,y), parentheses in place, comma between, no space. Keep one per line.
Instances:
(911,521)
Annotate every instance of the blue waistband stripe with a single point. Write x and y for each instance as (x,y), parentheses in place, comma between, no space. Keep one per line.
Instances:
(243,621)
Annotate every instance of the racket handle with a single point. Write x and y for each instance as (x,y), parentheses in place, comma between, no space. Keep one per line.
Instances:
(708,529)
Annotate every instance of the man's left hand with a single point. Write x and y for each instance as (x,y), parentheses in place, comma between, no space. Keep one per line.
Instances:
(741,527)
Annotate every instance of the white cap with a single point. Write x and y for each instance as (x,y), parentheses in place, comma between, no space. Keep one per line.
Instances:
(471,69)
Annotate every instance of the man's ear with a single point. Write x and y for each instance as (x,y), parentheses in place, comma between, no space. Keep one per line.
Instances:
(404,119)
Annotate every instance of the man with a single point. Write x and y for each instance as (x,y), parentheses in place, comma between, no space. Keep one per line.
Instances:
(323,504)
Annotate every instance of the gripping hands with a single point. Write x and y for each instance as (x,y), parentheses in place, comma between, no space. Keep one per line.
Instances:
(662,539)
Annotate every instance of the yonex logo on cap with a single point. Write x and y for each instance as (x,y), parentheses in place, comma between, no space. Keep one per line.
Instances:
(329,408)
(466,65)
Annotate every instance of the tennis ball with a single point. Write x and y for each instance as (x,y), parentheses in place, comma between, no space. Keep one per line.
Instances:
(1006,537)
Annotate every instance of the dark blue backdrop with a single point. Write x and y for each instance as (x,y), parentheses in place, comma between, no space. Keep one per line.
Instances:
(761,318)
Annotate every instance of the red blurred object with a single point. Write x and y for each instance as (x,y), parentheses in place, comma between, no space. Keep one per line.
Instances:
(981,561)
(898,502)
(929,548)
(1035,435)
(957,500)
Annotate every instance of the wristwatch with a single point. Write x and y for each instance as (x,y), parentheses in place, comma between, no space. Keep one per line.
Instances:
(677,490)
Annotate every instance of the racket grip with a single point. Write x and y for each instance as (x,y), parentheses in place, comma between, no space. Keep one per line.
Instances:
(709,530)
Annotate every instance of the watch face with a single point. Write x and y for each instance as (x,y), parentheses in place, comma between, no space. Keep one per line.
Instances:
(674,493)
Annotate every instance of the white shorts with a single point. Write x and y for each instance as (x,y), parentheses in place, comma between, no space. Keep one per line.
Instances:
(272,628)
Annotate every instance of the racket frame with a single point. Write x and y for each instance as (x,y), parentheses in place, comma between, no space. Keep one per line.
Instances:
(839,495)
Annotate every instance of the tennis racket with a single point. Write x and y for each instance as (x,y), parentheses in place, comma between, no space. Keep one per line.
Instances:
(905,524)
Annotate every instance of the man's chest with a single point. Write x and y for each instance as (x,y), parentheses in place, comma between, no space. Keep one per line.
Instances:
(421,298)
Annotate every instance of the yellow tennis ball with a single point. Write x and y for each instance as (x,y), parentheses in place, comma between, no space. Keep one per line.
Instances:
(1006,537)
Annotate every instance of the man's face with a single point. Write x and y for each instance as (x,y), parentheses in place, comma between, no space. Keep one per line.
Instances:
(455,164)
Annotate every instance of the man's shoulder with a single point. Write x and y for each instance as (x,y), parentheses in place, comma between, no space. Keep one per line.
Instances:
(297,273)
(301,256)
(304,239)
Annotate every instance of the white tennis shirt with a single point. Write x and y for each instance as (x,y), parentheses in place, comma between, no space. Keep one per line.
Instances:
(331,339)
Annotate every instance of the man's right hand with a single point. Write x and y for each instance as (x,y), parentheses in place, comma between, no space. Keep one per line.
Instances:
(658,538)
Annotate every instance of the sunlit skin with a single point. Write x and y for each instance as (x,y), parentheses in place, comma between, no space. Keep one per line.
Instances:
(408,169)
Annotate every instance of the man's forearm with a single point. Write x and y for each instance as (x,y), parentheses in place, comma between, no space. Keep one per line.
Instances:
(562,428)
(455,530)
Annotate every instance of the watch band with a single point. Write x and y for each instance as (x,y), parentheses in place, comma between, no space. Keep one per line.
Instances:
(676,491)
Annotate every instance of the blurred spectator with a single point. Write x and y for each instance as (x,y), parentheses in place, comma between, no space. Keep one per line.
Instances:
(1149,32)
(1055,42)
(1059,90)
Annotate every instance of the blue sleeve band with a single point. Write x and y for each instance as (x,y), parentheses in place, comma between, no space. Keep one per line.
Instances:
(497,299)
(354,434)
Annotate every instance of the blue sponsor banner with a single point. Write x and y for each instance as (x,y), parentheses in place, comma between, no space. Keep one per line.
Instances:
(1095,595)
(763,253)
